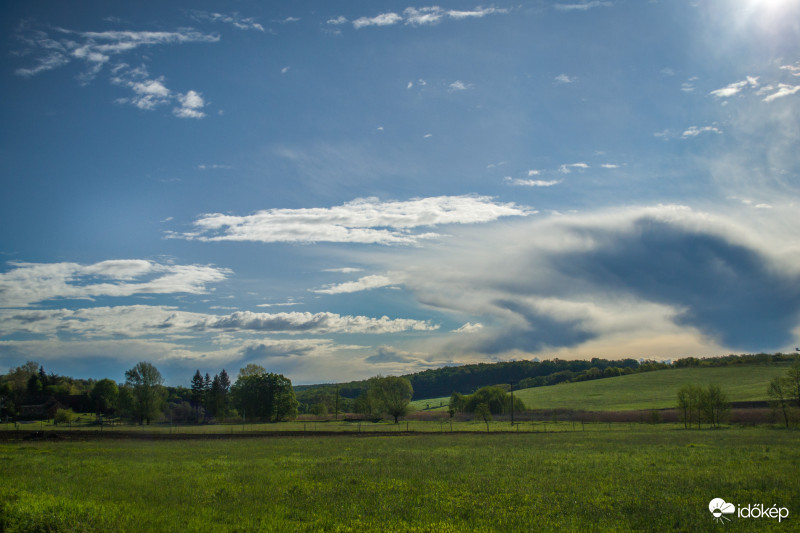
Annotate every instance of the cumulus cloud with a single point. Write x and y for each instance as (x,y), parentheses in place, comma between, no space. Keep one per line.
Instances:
(563,78)
(367,220)
(651,275)
(191,105)
(29,283)
(318,323)
(132,321)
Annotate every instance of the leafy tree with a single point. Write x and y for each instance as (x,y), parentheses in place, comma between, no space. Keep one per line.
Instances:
(779,398)
(457,403)
(251,369)
(264,396)
(714,405)
(689,405)
(792,383)
(148,391)
(393,395)
(696,404)
(64,416)
(104,396)
(366,404)
(483,412)
(495,397)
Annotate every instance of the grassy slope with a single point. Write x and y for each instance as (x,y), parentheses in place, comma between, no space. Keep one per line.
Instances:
(649,390)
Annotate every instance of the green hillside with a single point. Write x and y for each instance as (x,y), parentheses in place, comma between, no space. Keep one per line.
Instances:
(647,390)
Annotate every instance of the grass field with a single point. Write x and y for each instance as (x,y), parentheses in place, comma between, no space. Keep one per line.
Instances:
(648,390)
(654,478)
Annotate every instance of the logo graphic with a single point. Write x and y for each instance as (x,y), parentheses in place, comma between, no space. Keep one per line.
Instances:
(719,508)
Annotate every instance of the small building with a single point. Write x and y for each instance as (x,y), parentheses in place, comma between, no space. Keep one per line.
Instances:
(42,411)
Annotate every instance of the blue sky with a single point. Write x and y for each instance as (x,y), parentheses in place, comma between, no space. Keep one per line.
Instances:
(336,190)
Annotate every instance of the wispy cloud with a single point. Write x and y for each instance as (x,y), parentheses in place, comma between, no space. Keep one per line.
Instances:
(459,85)
(234,19)
(568,168)
(422,16)
(582,6)
(362,284)
(29,283)
(530,182)
(735,88)
(95,50)
(366,220)
(563,78)
(781,90)
(384,19)
(694,131)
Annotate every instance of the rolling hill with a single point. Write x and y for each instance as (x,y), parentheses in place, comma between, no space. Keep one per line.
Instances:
(647,390)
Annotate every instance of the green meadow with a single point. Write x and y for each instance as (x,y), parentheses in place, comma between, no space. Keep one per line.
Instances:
(651,478)
(647,390)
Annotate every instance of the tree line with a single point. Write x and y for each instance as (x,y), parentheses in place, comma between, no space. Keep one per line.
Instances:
(256,395)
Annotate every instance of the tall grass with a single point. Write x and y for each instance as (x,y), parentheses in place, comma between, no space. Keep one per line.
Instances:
(649,479)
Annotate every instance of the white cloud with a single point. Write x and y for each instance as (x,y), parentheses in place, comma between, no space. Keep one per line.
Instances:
(344,270)
(384,19)
(694,131)
(317,323)
(29,283)
(583,6)
(420,16)
(191,105)
(567,168)
(478,12)
(532,183)
(234,19)
(469,327)
(423,15)
(134,321)
(459,85)
(781,91)
(734,88)
(361,221)
(337,21)
(609,165)
(95,50)
(362,284)
(563,78)
(794,70)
